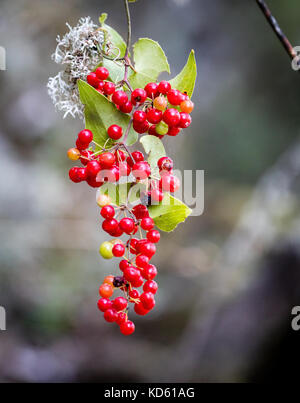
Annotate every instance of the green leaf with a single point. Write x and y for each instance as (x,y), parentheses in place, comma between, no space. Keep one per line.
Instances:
(100,114)
(185,81)
(116,38)
(154,148)
(169,214)
(150,60)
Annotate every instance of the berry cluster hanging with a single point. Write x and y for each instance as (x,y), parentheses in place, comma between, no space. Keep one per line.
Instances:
(156,110)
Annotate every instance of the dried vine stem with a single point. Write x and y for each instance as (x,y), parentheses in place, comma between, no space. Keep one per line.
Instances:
(276,28)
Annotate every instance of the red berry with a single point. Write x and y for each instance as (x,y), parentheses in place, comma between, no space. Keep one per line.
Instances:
(120,155)
(142,261)
(102,73)
(151,89)
(140,310)
(133,244)
(100,87)
(175,97)
(104,304)
(120,304)
(108,212)
(150,272)
(124,169)
(173,131)
(109,88)
(85,136)
(126,108)
(93,80)
(110,225)
(107,160)
(147,224)
(122,317)
(169,183)
(131,274)
(141,170)
(124,264)
(93,168)
(140,211)
(81,174)
(118,250)
(156,196)
(86,156)
(150,286)
(127,225)
(115,132)
(185,120)
(110,315)
(94,182)
(171,117)
(148,301)
(148,249)
(127,328)
(141,128)
(116,232)
(137,156)
(138,96)
(152,131)
(134,294)
(137,282)
(81,146)
(120,98)
(139,116)
(111,175)
(154,116)
(153,236)
(73,175)
(164,87)
(165,163)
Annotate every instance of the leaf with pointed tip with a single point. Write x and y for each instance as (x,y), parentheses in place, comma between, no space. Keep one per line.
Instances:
(169,213)
(186,79)
(100,114)
(150,60)
(155,149)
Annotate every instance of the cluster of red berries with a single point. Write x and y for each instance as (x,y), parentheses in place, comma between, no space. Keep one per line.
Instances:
(158,109)
(136,269)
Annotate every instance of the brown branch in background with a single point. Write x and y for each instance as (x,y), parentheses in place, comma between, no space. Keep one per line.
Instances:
(276,28)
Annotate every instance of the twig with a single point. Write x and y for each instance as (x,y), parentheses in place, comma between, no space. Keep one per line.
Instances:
(276,28)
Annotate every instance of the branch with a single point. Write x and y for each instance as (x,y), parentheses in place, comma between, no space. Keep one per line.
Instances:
(276,28)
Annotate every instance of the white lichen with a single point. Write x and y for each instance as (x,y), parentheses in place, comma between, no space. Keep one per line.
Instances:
(78,51)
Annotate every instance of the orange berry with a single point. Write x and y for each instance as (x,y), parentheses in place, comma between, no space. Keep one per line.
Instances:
(160,103)
(106,290)
(187,106)
(103,200)
(109,280)
(73,154)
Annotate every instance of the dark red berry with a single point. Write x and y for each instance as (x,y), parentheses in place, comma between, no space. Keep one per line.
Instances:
(102,73)
(81,146)
(173,131)
(165,163)
(110,315)
(73,175)
(120,98)
(139,116)
(148,301)
(140,211)
(104,304)
(131,274)
(118,250)
(94,182)
(154,116)
(126,108)
(151,89)
(139,309)
(109,88)
(175,97)
(127,225)
(153,236)
(147,224)
(93,168)
(108,212)
(138,96)
(164,87)
(134,294)
(127,328)
(185,120)
(171,117)
(110,225)
(122,318)
(141,128)
(115,132)
(124,264)
(150,286)
(93,80)
(120,304)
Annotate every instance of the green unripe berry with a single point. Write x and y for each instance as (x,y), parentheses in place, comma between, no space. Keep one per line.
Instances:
(162,128)
(106,250)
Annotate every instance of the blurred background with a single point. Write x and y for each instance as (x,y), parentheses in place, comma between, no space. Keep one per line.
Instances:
(228,279)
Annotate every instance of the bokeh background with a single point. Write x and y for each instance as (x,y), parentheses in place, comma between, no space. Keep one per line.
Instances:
(228,279)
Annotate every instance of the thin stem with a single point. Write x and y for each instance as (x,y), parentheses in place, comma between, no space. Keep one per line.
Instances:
(128,44)
(276,28)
